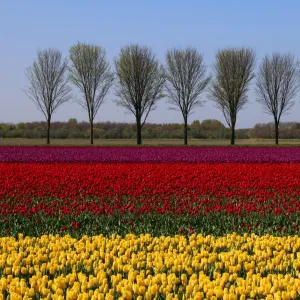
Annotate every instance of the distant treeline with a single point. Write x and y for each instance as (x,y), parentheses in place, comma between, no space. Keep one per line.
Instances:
(140,81)
(207,129)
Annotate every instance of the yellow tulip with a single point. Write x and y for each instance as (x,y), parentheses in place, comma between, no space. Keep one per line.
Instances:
(7,270)
(199,296)
(232,296)
(142,290)
(184,279)
(154,289)
(293,294)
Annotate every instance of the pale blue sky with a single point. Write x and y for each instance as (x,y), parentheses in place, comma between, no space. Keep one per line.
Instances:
(26,26)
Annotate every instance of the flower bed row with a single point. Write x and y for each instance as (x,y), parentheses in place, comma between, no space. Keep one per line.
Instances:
(155,198)
(257,183)
(150,154)
(144,267)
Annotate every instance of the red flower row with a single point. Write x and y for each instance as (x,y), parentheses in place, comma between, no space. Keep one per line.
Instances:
(143,188)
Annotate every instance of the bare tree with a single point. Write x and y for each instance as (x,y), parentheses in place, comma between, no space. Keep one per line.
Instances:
(90,72)
(48,87)
(140,83)
(233,73)
(185,81)
(277,84)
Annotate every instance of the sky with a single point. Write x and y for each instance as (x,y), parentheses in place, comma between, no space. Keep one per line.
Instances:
(27,26)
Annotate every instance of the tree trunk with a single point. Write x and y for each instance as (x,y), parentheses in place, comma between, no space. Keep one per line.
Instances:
(276,132)
(92,132)
(138,131)
(48,131)
(185,131)
(232,135)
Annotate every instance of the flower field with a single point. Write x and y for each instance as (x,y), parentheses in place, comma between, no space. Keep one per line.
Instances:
(149,223)
(149,154)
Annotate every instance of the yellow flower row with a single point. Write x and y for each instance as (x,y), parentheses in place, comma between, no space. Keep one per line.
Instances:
(145,267)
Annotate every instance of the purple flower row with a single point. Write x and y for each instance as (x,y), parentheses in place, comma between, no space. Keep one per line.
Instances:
(150,154)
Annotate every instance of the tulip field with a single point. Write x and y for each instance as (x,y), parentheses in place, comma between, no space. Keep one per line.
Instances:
(149,223)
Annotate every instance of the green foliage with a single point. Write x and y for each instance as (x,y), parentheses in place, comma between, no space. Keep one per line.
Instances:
(217,224)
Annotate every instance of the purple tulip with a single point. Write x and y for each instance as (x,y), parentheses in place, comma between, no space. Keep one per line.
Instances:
(150,154)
